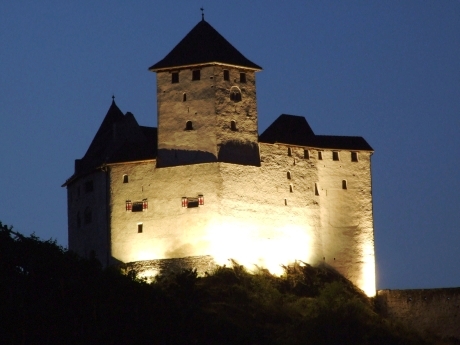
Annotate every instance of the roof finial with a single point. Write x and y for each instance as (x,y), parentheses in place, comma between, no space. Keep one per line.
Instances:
(202,13)
(113,98)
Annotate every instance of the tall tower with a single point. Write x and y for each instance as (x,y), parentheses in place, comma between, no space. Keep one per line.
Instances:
(206,102)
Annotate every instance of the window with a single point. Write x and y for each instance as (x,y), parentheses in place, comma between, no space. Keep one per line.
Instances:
(196,74)
(242,77)
(78,220)
(235,94)
(125,178)
(233,126)
(89,186)
(344,184)
(189,126)
(193,202)
(174,77)
(137,206)
(291,188)
(335,155)
(288,175)
(354,156)
(289,151)
(140,228)
(226,75)
(184,97)
(88,216)
(320,155)
(306,154)
(316,189)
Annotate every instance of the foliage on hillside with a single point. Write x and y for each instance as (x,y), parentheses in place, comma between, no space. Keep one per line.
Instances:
(48,295)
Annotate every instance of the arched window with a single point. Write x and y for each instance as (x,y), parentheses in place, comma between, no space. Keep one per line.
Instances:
(233,126)
(344,184)
(189,126)
(184,97)
(289,175)
(235,94)
(88,216)
(125,178)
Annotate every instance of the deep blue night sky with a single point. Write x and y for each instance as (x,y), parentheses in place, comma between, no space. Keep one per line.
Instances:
(388,71)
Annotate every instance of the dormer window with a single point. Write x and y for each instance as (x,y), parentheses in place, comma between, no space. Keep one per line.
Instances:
(174,77)
(196,74)
(242,77)
(226,74)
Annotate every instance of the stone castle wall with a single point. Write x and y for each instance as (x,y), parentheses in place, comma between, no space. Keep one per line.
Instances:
(266,216)
(431,311)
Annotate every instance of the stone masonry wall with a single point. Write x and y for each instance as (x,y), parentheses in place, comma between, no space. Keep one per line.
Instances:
(432,311)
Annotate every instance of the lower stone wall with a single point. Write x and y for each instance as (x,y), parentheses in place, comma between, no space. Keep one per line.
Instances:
(429,311)
(151,268)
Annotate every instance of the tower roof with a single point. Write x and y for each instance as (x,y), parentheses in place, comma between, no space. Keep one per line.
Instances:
(203,44)
(295,130)
(119,139)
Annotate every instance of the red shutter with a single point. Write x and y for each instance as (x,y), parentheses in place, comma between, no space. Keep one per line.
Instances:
(184,202)
(129,205)
(200,199)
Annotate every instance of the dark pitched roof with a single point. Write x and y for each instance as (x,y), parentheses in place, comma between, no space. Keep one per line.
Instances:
(203,44)
(295,130)
(119,139)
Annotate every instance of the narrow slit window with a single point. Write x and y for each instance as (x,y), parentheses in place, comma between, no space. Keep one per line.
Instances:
(288,175)
(354,156)
(316,189)
(291,188)
(174,77)
(196,75)
(140,228)
(335,155)
(289,151)
(125,178)
(184,97)
(306,154)
(320,155)
(88,216)
(242,77)
(344,184)
(189,126)
(226,75)
(89,187)
(233,126)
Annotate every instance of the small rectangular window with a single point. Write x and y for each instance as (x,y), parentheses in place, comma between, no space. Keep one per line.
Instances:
(354,156)
(192,202)
(306,154)
(320,155)
(140,228)
(125,179)
(316,189)
(196,74)
(335,155)
(226,74)
(242,77)
(89,187)
(344,184)
(174,77)
(138,206)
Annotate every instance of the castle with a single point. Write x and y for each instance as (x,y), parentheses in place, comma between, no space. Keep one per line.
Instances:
(204,187)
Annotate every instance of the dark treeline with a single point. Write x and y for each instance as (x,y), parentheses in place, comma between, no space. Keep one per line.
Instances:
(49,295)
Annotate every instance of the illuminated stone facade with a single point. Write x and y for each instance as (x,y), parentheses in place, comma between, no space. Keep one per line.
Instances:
(205,187)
